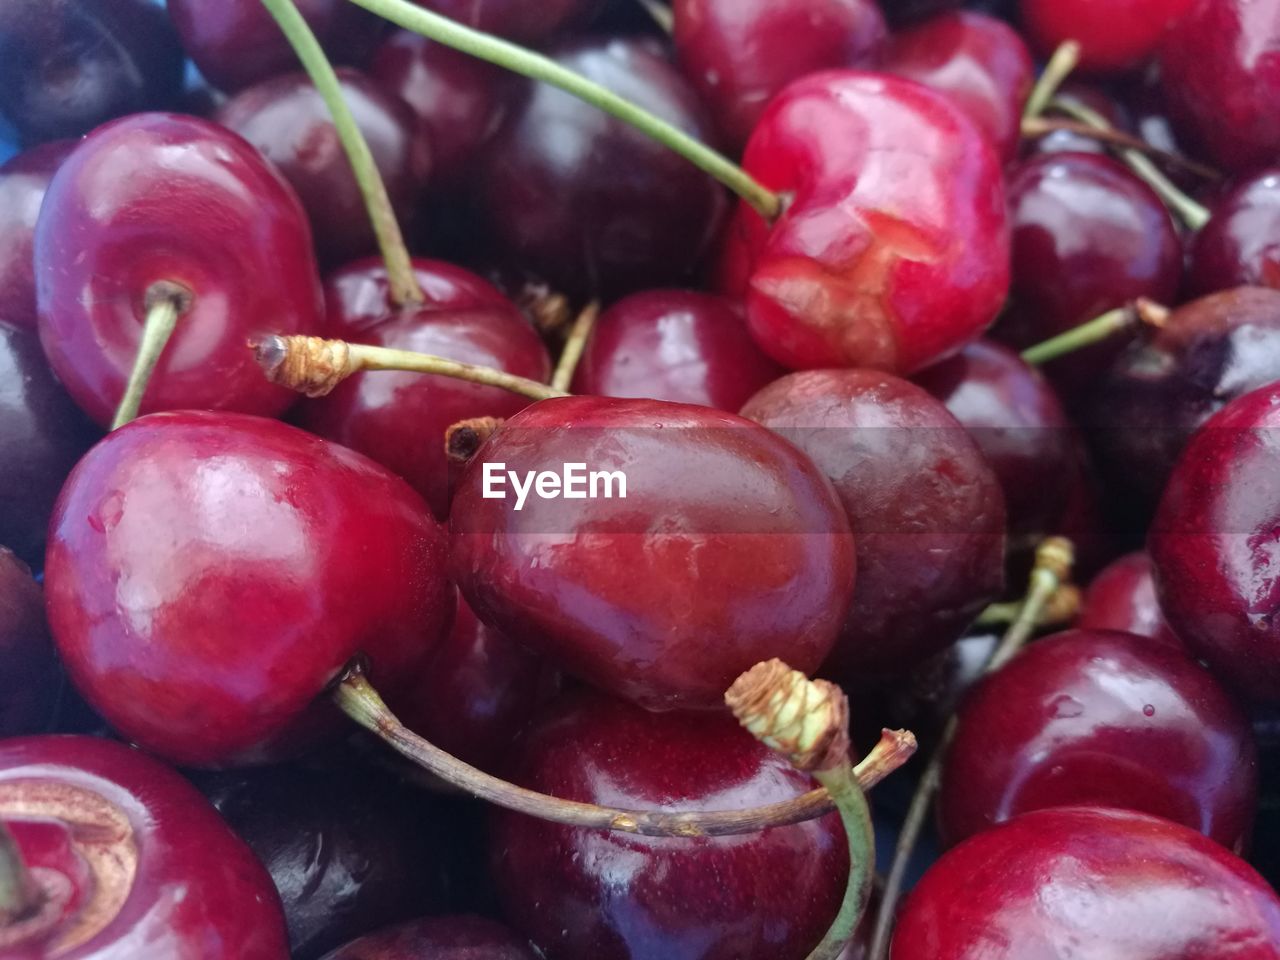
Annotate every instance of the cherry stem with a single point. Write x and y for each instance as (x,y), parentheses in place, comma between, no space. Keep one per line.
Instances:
(1141,311)
(403,285)
(1062,608)
(1052,568)
(356,697)
(855,814)
(166,303)
(20,895)
(1036,127)
(517,59)
(1061,63)
(661,15)
(574,345)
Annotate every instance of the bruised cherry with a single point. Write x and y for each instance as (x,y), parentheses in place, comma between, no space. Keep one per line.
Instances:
(30,681)
(1122,596)
(440,938)
(23,182)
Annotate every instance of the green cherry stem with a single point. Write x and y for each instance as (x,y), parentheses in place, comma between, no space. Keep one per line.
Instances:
(660,13)
(1104,327)
(403,285)
(165,303)
(576,343)
(855,814)
(1055,73)
(517,59)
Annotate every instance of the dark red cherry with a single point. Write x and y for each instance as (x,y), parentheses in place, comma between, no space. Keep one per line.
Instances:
(587,201)
(613,897)
(30,680)
(23,182)
(1171,380)
(1098,883)
(1094,98)
(66,67)
(286,119)
(1123,597)
(1240,245)
(1221,78)
(979,62)
(925,508)
(161,198)
(236,42)
(461,100)
(358,295)
(210,574)
(515,19)
(728,548)
(133,860)
(1114,35)
(674,345)
(440,938)
(1019,425)
(1215,543)
(734,52)
(1101,718)
(893,251)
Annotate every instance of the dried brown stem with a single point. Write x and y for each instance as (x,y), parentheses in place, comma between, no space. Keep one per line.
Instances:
(463,440)
(1036,127)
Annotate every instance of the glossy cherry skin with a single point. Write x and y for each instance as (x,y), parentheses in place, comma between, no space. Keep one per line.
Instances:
(676,345)
(236,43)
(979,62)
(67,67)
(590,203)
(358,295)
(613,897)
(729,548)
(1171,380)
(1221,77)
(161,197)
(894,249)
(209,574)
(440,938)
(1019,425)
(1123,597)
(1100,884)
(924,505)
(1240,245)
(1114,35)
(1214,545)
(30,681)
(23,182)
(145,865)
(734,52)
(516,20)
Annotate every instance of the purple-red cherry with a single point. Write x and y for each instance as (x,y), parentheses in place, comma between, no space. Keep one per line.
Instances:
(23,182)
(132,860)
(676,345)
(30,680)
(517,20)
(893,250)
(210,574)
(1114,35)
(1094,98)
(762,896)
(164,199)
(1122,596)
(1240,245)
(439,938)
(729,546)
(1098,883)
(735,53)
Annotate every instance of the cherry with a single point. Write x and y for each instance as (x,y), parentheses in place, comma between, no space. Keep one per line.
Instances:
(893,251)
(132,859)
(440,938)
(515,19)
(209,574)
(1019,425)
(740,53)
(1214,544)
(67,67)
(1114,35)
(23,182)
(674,345)
(614,897)
(1123,597)
(590,203)
(236,43)
(287,120)
(1221,78)
(903,13)
(199,211)
(729,548)
(30,680)
(460,100)
(400,419)
(1240,245)
(1092,98)
(925,508)
(979,62)
(1108,883)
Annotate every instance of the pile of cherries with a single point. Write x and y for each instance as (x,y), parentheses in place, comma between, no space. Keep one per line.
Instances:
(997,271)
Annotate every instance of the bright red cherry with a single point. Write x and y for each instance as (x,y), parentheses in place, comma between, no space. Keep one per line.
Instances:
(1215,543)
(729,547)
(762,896)
(1101,718)
(1123,597)
(517,20)
(979,62)
(210,574)
(23,182)
(674,345)
(924,505)
(1097,883)
(30,680)
(165,199)
(1240,245)
(440,938)
(893,250)
(1114,35)
(740,53)
(133,861)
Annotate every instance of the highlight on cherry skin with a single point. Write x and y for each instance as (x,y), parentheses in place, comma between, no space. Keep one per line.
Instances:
(639,480)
